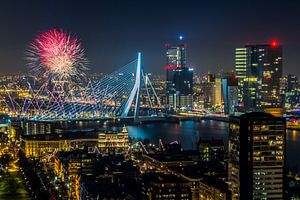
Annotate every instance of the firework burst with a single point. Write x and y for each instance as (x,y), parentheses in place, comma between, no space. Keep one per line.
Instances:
(57,56)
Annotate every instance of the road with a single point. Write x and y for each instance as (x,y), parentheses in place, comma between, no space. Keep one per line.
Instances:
(12,186)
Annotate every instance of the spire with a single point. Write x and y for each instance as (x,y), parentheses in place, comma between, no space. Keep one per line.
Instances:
(124,130)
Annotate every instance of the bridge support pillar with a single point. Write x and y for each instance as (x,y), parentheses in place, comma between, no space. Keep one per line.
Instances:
(135,92)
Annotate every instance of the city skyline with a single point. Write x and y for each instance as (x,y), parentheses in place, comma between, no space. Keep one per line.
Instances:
(149,100)
(113,32)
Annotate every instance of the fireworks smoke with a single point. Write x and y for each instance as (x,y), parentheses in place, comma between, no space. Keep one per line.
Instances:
(57,56)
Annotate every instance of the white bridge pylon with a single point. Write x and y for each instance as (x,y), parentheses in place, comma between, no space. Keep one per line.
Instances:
(135,92)
(114,95)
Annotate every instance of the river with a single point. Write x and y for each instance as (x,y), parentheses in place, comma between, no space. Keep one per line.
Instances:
(189,132)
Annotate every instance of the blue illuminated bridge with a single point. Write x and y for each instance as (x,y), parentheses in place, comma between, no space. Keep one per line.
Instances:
(116,95)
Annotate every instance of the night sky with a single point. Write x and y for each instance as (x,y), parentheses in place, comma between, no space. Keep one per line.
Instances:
(112,32)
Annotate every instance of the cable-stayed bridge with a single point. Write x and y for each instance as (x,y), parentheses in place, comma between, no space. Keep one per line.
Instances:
(117,94)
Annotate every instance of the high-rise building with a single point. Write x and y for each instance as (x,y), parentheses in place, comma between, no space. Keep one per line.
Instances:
(259,69)
(291,92)
(230,93)
(208,90)
(218,91)
(256,156)
(179,90)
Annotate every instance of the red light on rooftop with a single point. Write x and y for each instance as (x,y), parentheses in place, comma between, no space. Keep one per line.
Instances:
(167,45)
(274,43)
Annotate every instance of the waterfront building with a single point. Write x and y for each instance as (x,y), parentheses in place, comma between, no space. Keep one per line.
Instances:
(113,142)
(42,145)
(230,93)
(256,163)
(5,126)
(32,127)
(208,90)
(107,142)
(258,68)
(218,100)
(179,79)
(292,92)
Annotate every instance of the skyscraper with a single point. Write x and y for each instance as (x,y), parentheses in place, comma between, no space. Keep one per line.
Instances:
(292,92)
(259,69)
(256,156)
(218,91)
(179,90)
(230,93)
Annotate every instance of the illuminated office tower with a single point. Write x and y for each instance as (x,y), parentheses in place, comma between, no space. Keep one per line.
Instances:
(259,69)
(179,89)
(240,71)
(256,159)
(218,92)
(230,93)
(207,86)
(292,92)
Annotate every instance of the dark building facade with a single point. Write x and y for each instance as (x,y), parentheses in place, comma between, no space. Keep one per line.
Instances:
(179,80)
(230,93)
(211,150)
(256,156)
(259,70)
(291,92)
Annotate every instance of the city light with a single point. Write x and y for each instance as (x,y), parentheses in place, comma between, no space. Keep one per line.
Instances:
(102,122)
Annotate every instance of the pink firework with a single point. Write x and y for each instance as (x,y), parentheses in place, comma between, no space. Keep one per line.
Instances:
(57,56)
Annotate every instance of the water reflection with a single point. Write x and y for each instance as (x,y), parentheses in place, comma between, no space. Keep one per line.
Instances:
(188,134)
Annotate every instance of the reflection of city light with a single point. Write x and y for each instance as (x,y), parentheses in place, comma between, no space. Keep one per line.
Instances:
(294,135)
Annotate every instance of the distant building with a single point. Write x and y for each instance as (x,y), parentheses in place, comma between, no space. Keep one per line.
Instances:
(291,92)
(42,145)
(256,156)
(208,90)
(211,150)
(32,127)
(113,142)
(107,142)
(259,69)
(218,92)
(179,81)
(230,93)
